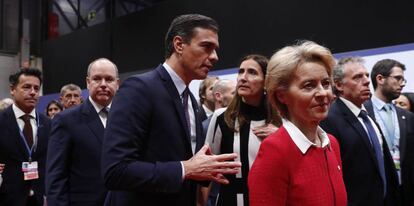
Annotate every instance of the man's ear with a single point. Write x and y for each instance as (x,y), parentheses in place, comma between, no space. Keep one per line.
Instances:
(12,88)
(339,86)
(178,43)
(217,96)
(380,79)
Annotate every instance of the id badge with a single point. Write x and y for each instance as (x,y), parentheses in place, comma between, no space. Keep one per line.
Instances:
(30,170)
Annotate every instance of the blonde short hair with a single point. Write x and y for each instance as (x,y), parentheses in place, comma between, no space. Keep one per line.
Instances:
(284,63)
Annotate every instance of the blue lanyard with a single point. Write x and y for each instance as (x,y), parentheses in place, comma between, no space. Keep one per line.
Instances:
(34,146)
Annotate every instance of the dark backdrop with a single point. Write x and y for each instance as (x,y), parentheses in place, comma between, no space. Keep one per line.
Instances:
(136,42)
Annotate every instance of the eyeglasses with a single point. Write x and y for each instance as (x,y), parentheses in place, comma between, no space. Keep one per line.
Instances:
(400,79)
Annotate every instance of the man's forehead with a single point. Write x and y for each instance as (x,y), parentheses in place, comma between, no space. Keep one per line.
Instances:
(70,91)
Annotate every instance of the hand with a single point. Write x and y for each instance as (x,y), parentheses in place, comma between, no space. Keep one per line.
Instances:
(264,131)
(206,166)
(1,168)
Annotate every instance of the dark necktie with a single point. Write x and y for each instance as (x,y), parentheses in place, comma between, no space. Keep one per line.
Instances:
(185,95)
(375,145)
(27,130)
(104,112)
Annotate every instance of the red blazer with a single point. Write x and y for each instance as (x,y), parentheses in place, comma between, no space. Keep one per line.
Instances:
(282,175)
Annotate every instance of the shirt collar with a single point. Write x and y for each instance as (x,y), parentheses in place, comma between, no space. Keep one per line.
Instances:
(19,113)
(178,82)
(207,110)
(351,106)
(300,139)
(378,103)
(97,106)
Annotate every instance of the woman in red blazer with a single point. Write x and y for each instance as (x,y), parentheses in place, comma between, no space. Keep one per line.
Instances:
(299,164)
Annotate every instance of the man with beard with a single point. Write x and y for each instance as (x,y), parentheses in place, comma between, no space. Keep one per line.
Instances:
(74,152)
(388,80)
(368,171)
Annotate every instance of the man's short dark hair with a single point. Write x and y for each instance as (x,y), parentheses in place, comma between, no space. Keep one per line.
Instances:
(384,68)
(14,78)
(184,26)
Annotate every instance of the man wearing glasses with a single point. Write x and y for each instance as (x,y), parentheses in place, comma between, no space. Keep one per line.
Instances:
(396,124)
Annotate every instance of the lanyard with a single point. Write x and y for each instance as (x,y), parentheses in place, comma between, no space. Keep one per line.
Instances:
(35,140)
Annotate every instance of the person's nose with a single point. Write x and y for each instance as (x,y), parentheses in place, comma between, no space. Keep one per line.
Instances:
(242,77)
(321,91)
(214,56)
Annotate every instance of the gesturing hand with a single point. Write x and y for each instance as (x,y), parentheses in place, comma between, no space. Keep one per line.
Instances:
(206,166)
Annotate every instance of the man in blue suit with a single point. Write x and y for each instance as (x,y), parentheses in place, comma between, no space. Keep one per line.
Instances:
(368,171)
(388,81)
(74,152)
(147,158)
(23,142)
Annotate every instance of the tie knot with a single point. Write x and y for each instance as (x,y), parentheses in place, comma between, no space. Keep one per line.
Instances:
(105,110)
(26,117)
(363,114)
(185,92)
(387,107)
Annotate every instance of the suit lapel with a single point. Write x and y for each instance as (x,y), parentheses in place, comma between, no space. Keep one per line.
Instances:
(357,126)
(15,135)
(370,110)
(199,127)
(42,135)
(172,90)
(403,126)
(92,120)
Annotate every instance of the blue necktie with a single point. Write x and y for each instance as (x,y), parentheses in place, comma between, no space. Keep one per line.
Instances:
(376,146)
(389,125)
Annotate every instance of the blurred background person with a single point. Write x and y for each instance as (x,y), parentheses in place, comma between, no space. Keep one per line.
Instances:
(52,108)
(70,95)
(205,94)
(405,101)
(369,173)
(396,124)
(223,93)
(242,126)
(300,164)
(6,102)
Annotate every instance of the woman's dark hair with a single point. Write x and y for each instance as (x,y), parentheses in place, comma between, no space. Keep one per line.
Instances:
(233,110)
(410,97)
(53,102)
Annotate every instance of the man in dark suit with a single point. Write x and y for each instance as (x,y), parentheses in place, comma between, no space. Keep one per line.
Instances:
(74,153)
(368,171)
(23,142)
(147,155)
(388,81)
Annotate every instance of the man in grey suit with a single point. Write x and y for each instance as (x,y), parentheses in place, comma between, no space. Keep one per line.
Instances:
(388,80)
(147,158)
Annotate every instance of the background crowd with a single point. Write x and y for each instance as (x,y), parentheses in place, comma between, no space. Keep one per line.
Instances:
(300,128)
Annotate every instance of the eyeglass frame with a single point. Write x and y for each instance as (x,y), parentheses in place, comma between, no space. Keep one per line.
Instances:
(400,79)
